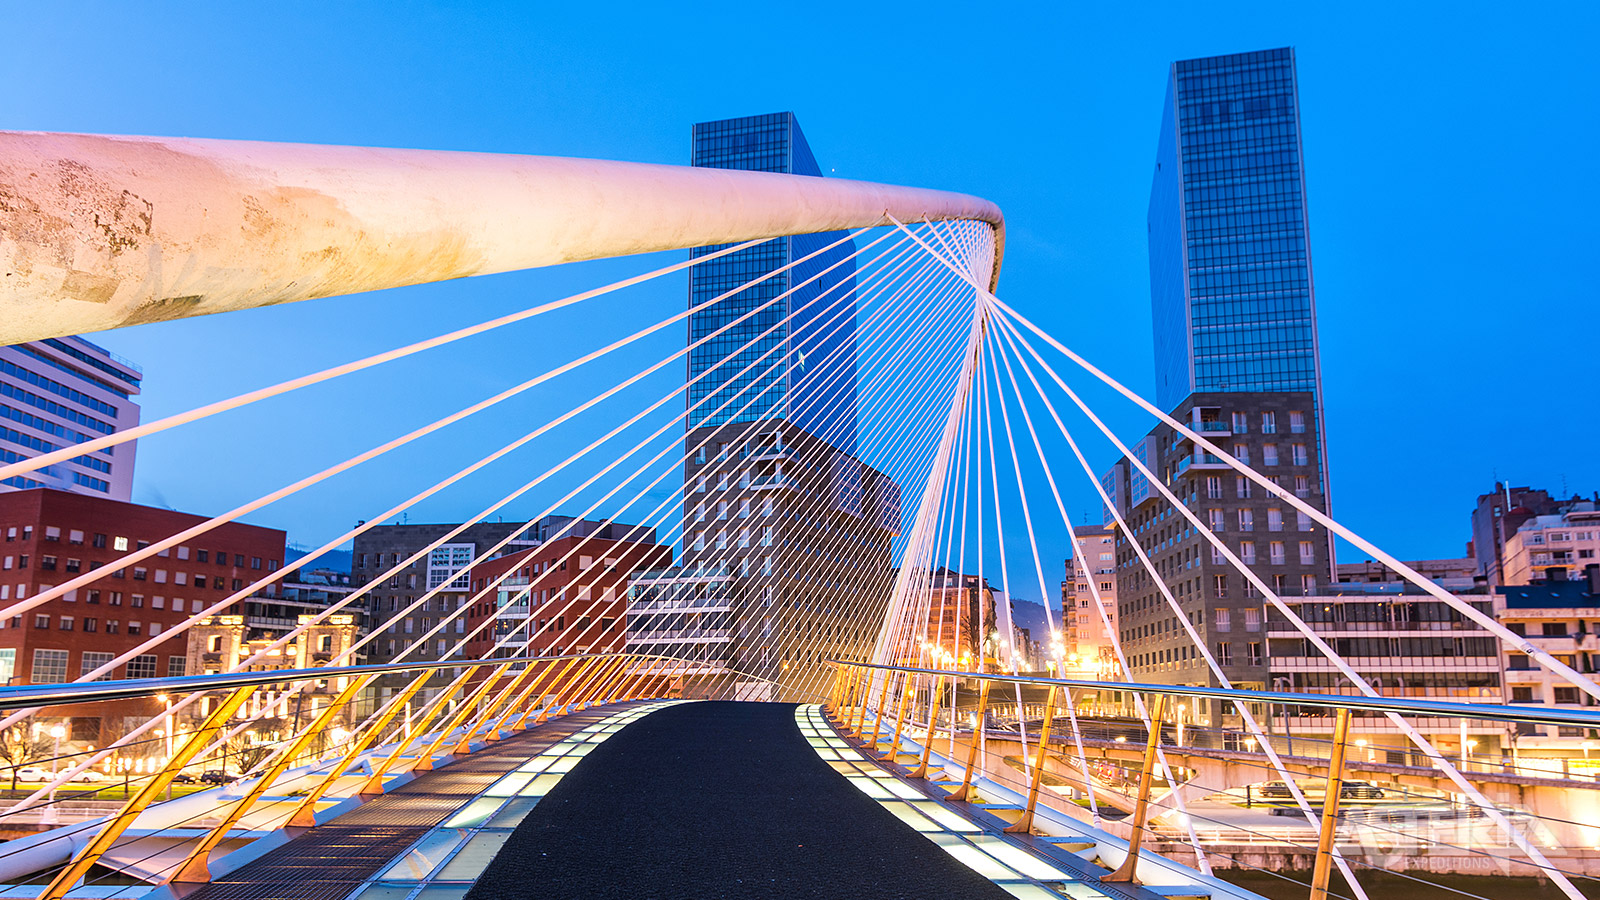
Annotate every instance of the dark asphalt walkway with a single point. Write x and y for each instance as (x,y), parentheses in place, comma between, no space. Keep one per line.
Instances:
(717,800)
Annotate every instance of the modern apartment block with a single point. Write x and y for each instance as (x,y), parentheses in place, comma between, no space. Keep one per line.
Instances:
(1564,542)
(800,532)
(1497,516)
(1558,615)
(1403,642)
(1237,362)
(1090,650)
(63,391)
(447,567)
(785,531)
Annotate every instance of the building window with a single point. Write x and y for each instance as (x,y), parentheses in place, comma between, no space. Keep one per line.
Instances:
(1269,423)
(1566,694)
(1219,586)
(1247,520)
(1213,487)
(142,666)
(94,659)
(1241,423)
(1274,520)
(1224,619)
(65,623)
(448,566)
(1275,554)
(1308,585)
(1216,516)
(49,667)
(1242,487)
(1254,649)
(1241,452)
(1306,558)
(1298,455)
(176,665)
(1297,422)
(1252,619)
(1269,454)
(1224,654)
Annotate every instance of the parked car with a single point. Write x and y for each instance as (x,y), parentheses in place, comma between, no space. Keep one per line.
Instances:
(33,773)
(216,776)
(1360,790)
(1275,789)
(184,778)
(89,775)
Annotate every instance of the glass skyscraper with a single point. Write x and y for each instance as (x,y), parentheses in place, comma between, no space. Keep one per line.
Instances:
(810,377)
(1230,262)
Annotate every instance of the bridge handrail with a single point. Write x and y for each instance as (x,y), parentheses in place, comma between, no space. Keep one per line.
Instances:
(1530,713)
(30,695)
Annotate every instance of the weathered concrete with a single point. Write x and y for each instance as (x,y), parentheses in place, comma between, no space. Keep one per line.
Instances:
(99,231)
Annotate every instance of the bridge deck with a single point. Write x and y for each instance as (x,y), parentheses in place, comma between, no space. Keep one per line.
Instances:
(717,799)
(330,861)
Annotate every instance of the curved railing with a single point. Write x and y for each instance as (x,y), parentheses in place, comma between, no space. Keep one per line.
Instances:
(342,723)
(1131,758)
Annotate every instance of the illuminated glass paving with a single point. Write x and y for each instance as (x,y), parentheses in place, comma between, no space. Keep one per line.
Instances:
(1018,872)
(1230,265)
(443,863)
(809,331)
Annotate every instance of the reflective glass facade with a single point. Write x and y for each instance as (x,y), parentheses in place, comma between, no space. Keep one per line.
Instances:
(810,377)
(1230,265)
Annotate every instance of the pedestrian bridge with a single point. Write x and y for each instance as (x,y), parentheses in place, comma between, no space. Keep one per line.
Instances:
(845,569)
(608,796)
(610,786)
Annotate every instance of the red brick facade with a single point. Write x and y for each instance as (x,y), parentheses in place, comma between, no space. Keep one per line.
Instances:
(49,536)
(577,602)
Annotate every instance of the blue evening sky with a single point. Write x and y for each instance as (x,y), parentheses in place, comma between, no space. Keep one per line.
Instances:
(1452,206)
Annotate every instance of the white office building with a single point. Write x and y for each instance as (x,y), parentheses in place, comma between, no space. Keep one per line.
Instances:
(59,392)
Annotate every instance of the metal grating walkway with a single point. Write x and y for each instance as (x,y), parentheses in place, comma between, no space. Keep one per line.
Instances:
(330,861)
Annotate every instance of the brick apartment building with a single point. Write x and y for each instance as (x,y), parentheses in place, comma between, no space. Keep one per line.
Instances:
(568,595)
(48,536)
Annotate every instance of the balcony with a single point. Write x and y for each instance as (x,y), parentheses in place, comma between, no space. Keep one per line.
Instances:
(1213,427)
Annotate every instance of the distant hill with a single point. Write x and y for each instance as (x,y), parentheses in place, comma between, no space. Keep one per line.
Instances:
(337,560)
(1030,615)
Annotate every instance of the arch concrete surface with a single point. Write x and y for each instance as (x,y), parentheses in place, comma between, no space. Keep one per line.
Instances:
(100,231)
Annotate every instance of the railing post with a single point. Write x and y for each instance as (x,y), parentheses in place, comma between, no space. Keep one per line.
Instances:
(883,697)
(559,690)
(906,692)
(424,762)
(933,717)
(515,705)
(608,686)
(108,834)
(522,722)
(195,868)
(374,783)
(602,680)
(965,790)
(1128,871)
(1330,807)
(840,714)
(305,813)
(464,746)
(1024,825)
(860,728)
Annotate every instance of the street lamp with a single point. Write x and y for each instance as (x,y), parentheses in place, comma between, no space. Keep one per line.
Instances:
(57,732)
